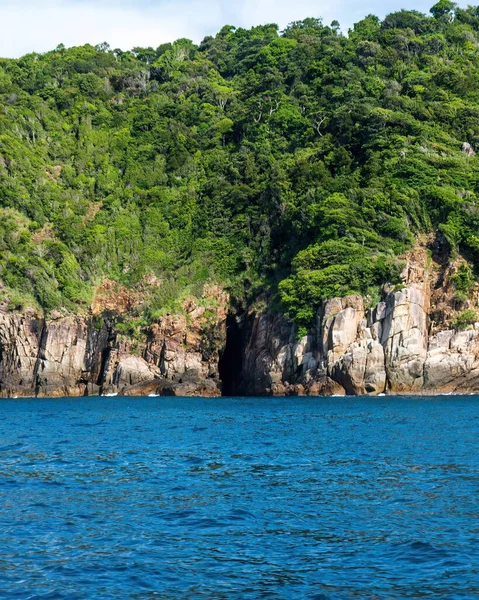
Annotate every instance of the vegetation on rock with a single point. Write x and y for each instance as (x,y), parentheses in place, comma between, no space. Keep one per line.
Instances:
(466,319)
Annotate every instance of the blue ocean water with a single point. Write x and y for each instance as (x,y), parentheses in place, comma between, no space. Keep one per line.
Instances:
(239,498)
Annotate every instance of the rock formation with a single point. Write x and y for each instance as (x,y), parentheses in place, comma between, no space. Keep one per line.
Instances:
(354,350)
(403,344)
(75,356)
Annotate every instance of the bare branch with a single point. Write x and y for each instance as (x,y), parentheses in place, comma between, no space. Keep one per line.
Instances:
(318,120)
(260,108)
(273,109)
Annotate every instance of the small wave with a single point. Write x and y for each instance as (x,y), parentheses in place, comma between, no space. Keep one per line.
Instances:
(11,447)
(418,551)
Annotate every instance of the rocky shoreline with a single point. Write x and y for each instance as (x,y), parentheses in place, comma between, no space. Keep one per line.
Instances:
(402,345)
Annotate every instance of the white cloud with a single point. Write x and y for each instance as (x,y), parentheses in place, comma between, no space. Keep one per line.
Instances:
(40,26)
(32,25)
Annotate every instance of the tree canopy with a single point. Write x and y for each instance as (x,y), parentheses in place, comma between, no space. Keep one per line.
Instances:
(301,162)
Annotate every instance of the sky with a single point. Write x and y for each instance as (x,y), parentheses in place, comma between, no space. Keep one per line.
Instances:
(40,25)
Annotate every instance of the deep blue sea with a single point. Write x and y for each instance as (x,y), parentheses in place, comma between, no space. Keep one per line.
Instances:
(171,498)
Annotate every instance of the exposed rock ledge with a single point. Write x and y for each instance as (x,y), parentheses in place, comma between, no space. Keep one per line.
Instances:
(395,347)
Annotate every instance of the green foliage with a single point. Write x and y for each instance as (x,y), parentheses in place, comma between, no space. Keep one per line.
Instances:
(303,163)
(333,268)
(442,8)
(466,319)
(464,281)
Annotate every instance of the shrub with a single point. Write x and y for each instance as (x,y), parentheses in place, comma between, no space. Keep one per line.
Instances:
(466,319)
(463,282)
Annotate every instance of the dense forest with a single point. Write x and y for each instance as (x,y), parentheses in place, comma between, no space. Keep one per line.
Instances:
(300,163)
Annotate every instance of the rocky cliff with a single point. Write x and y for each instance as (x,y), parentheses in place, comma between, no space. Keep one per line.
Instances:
(403,344)
(76,356)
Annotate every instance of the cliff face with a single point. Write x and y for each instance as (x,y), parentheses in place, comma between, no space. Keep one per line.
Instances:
(394,347)
(77,356)
(404,344)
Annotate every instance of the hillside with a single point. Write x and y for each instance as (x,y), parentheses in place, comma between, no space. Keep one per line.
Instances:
(287,168)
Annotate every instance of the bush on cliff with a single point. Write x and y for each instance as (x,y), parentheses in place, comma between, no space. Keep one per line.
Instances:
(466,319)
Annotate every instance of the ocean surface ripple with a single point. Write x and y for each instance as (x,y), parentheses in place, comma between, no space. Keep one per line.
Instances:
(325,499)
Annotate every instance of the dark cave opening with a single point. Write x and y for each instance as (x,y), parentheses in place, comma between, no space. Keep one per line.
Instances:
(231,361)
